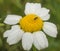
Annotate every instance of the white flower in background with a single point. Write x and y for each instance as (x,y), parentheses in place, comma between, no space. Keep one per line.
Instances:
(30,27)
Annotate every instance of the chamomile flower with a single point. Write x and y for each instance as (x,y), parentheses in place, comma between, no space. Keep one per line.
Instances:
(29,28)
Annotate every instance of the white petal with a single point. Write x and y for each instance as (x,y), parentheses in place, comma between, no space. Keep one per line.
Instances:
(15,35)
(50,29)
(46,17)
(6,33)
(43,12)
(31,8)
(27,41)
(40,40)
(15,27)
(12,19)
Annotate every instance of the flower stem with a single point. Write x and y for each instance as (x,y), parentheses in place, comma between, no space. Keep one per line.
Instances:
(34,49)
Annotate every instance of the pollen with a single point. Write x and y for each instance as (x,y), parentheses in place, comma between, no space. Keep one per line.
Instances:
(31,23)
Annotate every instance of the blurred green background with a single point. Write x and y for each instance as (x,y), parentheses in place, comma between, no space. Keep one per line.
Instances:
(17,7)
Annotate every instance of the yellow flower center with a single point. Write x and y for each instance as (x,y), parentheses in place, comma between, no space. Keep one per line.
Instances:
(31,23)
